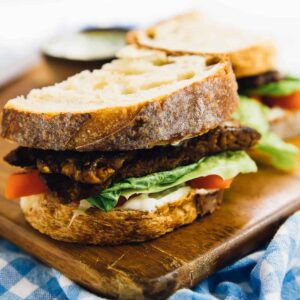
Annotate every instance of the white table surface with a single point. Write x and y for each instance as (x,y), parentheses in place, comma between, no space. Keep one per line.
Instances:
(26,24)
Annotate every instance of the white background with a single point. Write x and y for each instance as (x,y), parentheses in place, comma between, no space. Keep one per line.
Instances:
(25,24)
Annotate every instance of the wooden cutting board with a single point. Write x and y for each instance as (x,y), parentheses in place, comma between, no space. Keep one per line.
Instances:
(252,211)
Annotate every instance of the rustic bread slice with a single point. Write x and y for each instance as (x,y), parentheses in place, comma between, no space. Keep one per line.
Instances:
(195,34)
(131,103)
(53,218)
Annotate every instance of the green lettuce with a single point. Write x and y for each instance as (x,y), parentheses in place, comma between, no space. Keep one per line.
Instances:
(283,155)
(284,87)
(226,165)
(254,114)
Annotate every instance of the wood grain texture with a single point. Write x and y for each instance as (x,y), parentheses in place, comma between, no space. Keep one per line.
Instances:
(253,208)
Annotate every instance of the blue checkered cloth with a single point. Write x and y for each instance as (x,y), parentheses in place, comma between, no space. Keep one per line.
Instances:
(270,274)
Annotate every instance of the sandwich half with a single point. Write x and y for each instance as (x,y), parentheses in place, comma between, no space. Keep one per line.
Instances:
(129,152)
(281,95)
(253,62)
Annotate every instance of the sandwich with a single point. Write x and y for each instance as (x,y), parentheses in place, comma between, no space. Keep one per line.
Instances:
(281,95)
(129,152)
(266,93)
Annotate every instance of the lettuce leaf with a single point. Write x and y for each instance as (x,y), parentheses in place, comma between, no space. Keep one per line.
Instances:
(227,165)
(283,87)
(254,114)
(283,155)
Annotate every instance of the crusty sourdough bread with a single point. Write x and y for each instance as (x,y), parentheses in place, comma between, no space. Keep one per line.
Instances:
(195,34)
(287,125)
(131,103)
(50,217)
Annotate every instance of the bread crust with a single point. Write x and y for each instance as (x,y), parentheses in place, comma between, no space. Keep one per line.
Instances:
(253,60)
(53,218)
(190,111)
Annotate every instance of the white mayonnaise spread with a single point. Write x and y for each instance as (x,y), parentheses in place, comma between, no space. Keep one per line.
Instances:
(150,202)
(30,201)
(276,113)
(142,202)
(204,191)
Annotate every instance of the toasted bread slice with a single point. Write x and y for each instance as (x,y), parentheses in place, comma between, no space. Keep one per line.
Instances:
(195,34)
(131,103)
(53,218)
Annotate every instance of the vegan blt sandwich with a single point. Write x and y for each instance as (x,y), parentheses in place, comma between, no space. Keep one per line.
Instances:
(270,101)
(129,152)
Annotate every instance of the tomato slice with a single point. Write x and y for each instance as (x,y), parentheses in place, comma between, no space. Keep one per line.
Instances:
(288,102)
(24,184)
(210,182)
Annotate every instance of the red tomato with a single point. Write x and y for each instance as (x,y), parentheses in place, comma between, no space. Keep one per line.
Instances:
(210,182)
(288,102)
(24,184)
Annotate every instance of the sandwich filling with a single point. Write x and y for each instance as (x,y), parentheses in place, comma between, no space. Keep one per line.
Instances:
(278,153)
(141,179)
(270,96)
(272,89)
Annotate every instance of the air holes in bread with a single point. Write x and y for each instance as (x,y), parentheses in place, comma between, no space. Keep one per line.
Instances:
(160,63)
(100,85)
(212,61)
(186,76)
(128,91)
(156,84)
(151,34)
(131,71)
